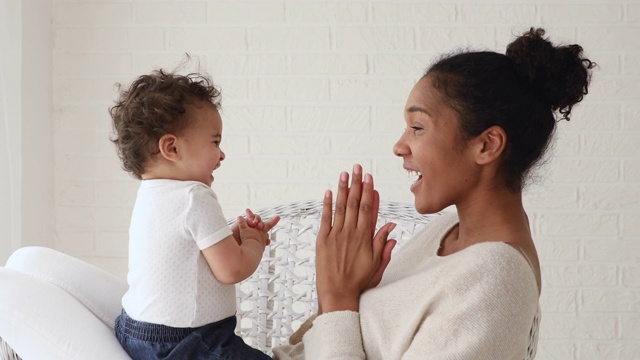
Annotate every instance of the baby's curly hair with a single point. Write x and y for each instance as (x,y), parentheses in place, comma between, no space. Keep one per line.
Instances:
(152,106)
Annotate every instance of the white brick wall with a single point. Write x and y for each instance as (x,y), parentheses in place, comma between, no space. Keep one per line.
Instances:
(309,88)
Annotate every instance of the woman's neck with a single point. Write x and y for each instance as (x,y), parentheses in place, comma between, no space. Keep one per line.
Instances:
(496,215)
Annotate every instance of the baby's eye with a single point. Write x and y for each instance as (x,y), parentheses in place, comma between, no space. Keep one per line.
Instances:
(216,143)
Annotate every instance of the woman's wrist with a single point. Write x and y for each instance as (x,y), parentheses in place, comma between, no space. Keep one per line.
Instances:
(339,302)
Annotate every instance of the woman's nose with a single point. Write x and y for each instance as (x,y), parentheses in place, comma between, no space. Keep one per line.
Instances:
(400,148)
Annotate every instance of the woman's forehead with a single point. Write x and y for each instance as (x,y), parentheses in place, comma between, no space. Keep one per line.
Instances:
(423,95)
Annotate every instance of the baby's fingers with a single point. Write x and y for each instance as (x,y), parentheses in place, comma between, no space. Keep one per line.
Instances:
(253,219)
(242,223)
(271,223)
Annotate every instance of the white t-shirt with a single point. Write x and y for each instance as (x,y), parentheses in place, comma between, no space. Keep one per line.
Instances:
(170,282)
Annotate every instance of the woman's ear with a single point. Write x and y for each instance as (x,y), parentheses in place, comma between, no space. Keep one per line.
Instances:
(168,146)
(491,143)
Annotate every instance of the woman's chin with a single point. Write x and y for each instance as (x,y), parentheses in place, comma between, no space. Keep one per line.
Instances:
(420,207)
(424,207)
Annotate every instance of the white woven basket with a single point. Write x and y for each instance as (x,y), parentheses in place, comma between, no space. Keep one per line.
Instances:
(6,352)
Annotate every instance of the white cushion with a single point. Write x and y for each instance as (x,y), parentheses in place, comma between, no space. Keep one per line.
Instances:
(98,290)
(40,320)
(54,306)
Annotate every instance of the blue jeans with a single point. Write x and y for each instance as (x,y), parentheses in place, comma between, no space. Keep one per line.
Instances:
(216,341)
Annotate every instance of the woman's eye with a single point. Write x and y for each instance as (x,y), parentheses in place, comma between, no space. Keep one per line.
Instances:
(416,128)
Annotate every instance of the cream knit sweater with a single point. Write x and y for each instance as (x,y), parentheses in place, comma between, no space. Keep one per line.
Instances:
(478,304)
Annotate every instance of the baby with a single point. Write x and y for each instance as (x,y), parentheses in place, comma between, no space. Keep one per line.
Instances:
(183,257)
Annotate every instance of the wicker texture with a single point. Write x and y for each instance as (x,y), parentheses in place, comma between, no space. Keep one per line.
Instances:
(6,352)
(533,337)
(281,293)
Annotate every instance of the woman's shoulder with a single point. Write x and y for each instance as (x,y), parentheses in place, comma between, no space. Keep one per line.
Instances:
(495,264)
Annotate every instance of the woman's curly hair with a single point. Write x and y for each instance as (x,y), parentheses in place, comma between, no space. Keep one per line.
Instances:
(152,106)
(520,91)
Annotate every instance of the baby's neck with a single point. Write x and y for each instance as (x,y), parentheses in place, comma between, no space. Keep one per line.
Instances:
(158,170)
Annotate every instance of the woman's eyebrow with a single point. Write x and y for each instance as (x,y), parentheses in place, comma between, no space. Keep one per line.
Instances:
(413,109)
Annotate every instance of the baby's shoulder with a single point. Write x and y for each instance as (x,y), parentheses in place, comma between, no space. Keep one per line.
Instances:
(196,188)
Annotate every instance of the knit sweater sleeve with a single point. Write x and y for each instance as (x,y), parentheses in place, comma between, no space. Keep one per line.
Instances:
(486,315)
(334,336)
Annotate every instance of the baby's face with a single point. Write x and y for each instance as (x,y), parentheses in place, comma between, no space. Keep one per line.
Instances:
(200,144)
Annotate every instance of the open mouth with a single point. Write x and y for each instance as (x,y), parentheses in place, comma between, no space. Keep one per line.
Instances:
(414,173)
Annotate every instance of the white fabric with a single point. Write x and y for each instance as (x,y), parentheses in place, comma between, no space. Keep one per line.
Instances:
(479,303)
(75,276)
(170,282)
(50,306)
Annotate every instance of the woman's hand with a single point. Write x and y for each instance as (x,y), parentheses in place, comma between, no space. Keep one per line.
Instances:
(349,258)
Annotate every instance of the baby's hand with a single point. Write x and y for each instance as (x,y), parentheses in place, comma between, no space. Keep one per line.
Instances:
(248,233)
(251,222)
(254,221)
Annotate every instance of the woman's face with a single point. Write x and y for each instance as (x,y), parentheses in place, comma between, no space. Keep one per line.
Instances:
(433,149)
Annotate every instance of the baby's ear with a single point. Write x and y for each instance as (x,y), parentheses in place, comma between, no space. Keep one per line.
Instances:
(168,146)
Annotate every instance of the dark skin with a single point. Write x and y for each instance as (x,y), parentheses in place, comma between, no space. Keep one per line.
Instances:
(350,258)
(465,173)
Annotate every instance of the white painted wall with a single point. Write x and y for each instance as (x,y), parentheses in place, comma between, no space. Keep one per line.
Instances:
(26,141)
(10,126)
(37,126)
(309,88)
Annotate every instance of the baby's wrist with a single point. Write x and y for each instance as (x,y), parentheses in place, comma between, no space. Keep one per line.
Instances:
(254,239)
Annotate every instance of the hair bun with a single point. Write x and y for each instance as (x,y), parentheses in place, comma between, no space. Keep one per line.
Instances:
(558,75)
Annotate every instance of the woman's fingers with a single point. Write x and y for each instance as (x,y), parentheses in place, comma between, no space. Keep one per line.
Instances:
(380,240)
(326,217)
(384,261)
(354,196)
(367,204)
(348,257)
(341,200)
(376,208)
(382,248)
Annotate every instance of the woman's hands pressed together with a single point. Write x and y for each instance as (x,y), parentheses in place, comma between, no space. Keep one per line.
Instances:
(349,258)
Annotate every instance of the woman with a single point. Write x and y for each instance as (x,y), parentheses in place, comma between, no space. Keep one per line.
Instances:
(467,285)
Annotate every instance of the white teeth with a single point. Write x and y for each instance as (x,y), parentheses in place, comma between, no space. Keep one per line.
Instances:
(412,173)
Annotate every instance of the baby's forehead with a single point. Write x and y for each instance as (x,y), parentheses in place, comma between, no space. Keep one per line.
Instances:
(204,118)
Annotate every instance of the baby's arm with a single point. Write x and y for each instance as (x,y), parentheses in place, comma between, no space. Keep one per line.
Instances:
(231,261)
